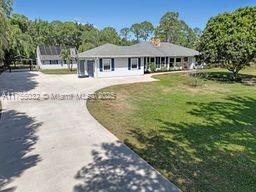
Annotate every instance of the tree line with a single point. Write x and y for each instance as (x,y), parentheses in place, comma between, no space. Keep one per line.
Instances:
(229,39)
(24,35)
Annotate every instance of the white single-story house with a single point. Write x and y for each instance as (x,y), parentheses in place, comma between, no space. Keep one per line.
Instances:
(111,60)
(49,57)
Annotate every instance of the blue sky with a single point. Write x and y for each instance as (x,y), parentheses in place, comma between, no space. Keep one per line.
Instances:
(123,13)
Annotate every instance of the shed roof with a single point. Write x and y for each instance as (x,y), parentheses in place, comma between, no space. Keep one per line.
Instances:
(49,52)
(144,49)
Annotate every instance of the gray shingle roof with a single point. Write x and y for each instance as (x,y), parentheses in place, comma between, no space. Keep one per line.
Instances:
(145,49)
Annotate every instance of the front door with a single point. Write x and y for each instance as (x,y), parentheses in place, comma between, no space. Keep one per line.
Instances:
(81,69)
(90,68)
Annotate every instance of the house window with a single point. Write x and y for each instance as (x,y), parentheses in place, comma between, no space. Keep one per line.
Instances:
(178,60)
(46,62)
(162,60)
(53,61)
(134,62)
(171,62)
(185,59)
(106,64)
(158,62)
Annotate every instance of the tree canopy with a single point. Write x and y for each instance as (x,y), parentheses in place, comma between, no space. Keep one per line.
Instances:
(24,35)
(143,30)
(124,32)
(229,39)
(174,30)
(5,10)
(95,37)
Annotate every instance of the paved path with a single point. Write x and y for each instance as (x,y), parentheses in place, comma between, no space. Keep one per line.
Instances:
(57,146)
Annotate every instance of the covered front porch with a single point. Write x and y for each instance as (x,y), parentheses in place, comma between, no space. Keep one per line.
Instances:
(169,63)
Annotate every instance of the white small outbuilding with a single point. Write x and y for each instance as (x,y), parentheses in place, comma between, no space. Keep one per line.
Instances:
(111,60)
(49,57)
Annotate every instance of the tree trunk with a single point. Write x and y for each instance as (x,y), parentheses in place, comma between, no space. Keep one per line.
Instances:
(71,67)
(235,74)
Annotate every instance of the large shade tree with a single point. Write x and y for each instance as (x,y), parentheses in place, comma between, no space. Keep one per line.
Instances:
(168,29)
(174,30)
(109,35)
(136,30)
(96,37)
(143,30)
(124,33)
(67,34)
(229,39)
(146,30)
(20,44)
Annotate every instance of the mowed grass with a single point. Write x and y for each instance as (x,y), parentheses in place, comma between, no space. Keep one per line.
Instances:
(202,138)
(58,71)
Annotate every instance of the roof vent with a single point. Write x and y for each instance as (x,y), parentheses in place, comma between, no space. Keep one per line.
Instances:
(155,42)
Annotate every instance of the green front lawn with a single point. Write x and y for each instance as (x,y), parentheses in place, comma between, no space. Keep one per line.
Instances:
(201,138)
(58,71)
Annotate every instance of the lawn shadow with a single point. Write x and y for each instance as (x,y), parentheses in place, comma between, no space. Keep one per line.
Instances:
(17,138)
(226,77)
(217,154)
(116,168)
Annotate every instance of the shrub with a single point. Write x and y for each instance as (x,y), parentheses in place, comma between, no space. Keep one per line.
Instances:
(195,79)
(152,67)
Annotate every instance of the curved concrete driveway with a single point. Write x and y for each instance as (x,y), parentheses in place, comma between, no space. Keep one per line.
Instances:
(57,146)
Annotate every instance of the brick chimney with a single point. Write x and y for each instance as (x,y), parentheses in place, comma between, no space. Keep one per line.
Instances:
(155,42)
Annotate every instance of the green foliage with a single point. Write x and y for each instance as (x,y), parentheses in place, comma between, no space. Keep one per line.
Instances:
(168,29)
(142,30)
(67,34)
(3,38)
(20,43)
(194,80)
(152,67)
(5,10)
(135,29)
(147,30)
(124,33)
(6,7)
(96,37)
(109,35)
(20,21)
(172,29)
(229,39)
(25,35)
(65,55)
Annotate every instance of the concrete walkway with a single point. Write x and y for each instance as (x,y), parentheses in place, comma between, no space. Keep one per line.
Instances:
(49,145)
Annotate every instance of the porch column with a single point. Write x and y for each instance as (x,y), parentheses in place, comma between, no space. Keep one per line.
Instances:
(182,63)
(167,63)
(96,67)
